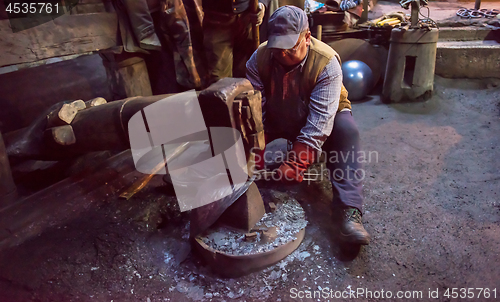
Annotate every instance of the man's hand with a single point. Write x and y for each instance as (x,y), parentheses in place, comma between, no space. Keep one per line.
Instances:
(298,160)
(259,16)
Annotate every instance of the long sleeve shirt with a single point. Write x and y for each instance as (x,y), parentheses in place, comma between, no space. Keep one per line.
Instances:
(323,103)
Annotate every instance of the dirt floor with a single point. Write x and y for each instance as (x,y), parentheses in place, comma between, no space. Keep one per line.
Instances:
(432,207)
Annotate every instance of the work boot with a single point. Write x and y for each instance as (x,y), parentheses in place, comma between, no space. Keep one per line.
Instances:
(351,228)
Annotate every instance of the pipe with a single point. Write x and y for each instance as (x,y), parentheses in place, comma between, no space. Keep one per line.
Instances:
(477,5)
(415,7)
(364,14)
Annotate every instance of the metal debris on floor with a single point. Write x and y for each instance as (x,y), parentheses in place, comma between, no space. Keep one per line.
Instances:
(274,229)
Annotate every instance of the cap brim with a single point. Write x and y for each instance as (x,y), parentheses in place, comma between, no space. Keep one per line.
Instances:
(283,42)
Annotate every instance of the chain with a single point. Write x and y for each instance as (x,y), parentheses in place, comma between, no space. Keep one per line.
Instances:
(474,13)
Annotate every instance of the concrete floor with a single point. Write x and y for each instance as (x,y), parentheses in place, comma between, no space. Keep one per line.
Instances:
(431,205)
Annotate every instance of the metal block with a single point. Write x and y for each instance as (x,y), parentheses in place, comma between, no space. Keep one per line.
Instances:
(246,211)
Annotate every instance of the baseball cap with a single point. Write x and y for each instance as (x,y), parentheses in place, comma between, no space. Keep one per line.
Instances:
(284,27)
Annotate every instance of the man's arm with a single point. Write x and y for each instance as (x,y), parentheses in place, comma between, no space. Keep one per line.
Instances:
(254,78)
(323,106)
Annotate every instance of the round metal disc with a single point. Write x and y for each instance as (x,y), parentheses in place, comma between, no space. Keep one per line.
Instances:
(232,266)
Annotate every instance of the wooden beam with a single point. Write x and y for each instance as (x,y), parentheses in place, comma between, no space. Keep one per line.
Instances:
(65,35)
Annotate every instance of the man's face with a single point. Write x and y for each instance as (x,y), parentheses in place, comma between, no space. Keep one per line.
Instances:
(295,55)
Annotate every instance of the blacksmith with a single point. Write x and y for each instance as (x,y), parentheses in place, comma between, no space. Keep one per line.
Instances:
(304,101)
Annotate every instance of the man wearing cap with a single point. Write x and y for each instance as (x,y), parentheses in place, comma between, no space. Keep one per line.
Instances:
(304,101)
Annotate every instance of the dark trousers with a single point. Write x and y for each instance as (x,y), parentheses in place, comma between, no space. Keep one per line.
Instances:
(227,39)
(342,150)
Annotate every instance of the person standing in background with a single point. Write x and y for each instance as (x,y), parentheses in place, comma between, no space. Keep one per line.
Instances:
(227,36)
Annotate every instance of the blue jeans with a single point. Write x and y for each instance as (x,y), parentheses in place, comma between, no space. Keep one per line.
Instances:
(345,170)
(138,15)
(342,149)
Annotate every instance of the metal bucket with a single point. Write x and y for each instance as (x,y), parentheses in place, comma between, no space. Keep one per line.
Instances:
(410,66)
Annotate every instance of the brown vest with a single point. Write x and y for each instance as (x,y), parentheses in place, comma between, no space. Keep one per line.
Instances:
(318,57)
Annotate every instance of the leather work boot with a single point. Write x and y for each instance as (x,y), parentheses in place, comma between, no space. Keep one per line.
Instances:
(351,228)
